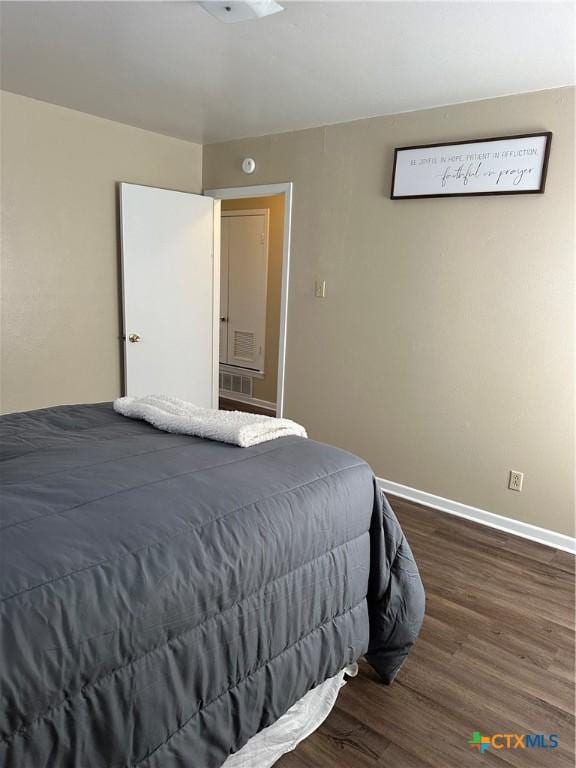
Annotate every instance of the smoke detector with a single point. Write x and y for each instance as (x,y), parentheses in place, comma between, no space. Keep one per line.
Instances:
(235,10)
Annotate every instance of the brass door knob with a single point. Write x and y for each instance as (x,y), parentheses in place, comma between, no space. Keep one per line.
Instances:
(134,338)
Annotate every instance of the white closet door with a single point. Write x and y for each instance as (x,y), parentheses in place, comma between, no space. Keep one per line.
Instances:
(224,240)
(170,260)
(247,289)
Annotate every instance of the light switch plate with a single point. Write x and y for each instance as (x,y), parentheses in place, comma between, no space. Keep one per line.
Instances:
(320,289)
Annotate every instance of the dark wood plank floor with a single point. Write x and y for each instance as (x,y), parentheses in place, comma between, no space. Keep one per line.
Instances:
(496,655)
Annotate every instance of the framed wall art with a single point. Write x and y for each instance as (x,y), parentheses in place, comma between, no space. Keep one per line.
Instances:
(510,165)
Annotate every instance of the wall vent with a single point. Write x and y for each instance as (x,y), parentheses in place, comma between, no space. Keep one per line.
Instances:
(236,384)
(244,345)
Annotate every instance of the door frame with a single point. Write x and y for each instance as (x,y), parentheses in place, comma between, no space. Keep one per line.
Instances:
(216,303)
(268,190)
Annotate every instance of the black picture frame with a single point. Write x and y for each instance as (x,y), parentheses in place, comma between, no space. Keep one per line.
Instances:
(543,175)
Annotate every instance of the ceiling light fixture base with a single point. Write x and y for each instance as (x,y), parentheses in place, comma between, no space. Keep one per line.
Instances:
(240,10)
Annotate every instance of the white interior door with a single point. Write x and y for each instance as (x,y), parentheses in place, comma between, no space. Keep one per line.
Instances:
(224,291)
(247,289)
(170,275)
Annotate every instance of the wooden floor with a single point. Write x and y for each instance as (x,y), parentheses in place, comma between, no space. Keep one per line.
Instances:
(496,655)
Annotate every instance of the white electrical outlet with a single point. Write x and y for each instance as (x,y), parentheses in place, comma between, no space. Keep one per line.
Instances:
(515,480)
(320,289)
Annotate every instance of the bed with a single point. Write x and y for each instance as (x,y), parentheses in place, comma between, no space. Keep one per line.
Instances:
(164,598)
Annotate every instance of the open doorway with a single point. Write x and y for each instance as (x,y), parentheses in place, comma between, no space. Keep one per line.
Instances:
(254,269)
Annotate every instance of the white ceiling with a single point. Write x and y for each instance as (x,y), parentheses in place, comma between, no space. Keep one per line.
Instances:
(172,68)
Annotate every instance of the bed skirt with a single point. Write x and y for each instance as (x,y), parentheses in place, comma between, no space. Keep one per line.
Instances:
(267,747)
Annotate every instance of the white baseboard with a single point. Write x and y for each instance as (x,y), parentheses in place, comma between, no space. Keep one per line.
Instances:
(507,524)
(239,398)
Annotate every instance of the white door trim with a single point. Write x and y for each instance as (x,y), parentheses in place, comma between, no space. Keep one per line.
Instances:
(267,190)
(216,305)
(482,516)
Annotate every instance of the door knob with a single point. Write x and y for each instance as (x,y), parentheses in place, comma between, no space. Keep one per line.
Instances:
(223,319)
(134,338)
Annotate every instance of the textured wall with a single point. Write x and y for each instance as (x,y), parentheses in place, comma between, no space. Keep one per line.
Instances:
(60,298)
(443,353)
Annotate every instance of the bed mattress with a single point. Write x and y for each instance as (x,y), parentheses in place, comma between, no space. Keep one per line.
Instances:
(164,598)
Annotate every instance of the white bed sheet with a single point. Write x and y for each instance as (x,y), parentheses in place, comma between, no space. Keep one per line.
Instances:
(268,746)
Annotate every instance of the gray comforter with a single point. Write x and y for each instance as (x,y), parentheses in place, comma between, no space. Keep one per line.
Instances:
(165,597)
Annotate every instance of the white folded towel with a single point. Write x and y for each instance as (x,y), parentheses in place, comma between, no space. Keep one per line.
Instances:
(173,415)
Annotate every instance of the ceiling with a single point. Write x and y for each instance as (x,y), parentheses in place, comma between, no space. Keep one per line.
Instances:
(172,68)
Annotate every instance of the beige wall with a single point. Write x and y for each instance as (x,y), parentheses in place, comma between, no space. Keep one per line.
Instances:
(443,353)
(265,389)
(60,300)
